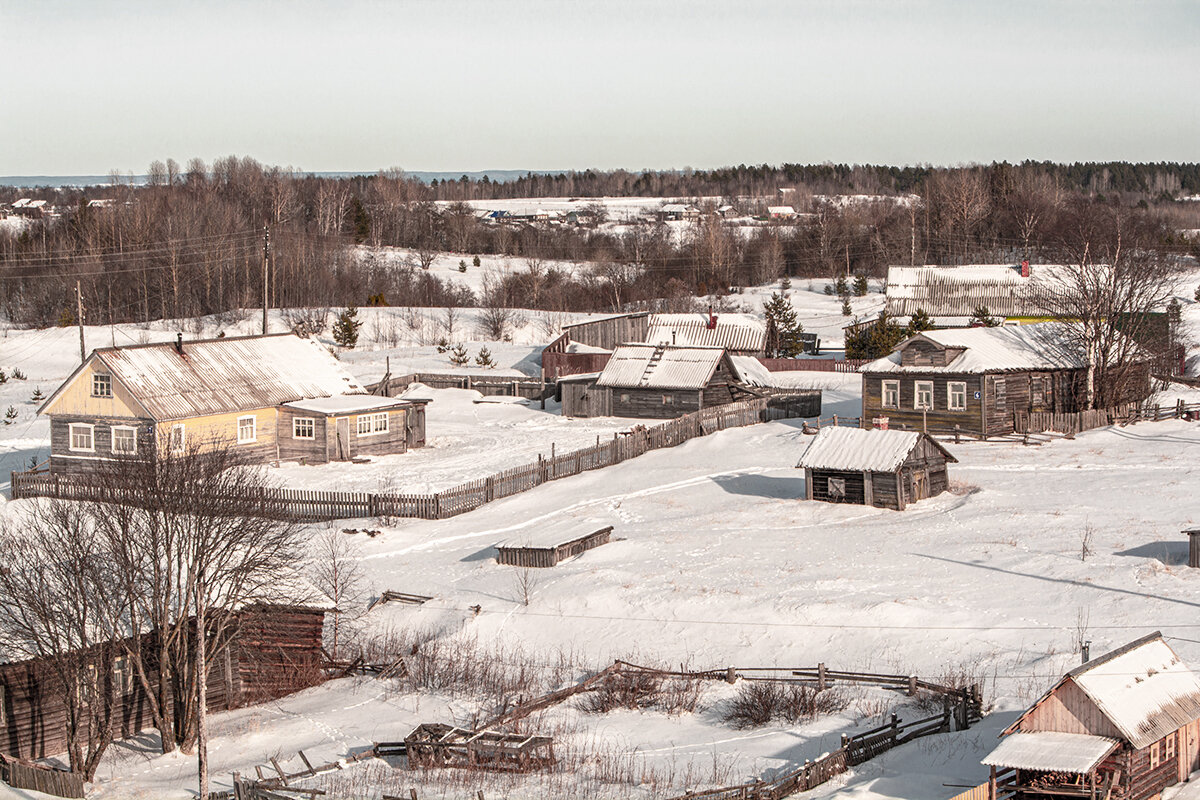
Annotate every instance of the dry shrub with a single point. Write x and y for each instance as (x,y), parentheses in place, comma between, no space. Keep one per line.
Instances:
(957,677)
(760,702)
(641,690)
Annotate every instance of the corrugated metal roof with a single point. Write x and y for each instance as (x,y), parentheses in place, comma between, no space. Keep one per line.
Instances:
(958,291)
(1145,689)
(1051,751)
(858,449)
(216,376)
(644,366)
(1045,345)
(738,332)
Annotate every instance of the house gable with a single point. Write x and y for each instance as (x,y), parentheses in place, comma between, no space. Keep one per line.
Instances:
(919,351)
(1067,709)
(75,397)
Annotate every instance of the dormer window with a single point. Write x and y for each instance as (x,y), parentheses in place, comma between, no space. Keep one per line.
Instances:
(102,386)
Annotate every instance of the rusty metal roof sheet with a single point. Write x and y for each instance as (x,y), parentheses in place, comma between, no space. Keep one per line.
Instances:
(644,366)
(736,332)
(1051,751)
(217,376)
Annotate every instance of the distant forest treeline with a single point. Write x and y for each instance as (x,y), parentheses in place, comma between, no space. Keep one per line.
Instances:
(190,241)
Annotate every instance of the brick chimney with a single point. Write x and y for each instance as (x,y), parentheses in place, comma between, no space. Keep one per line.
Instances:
(179,343)
(1025,268)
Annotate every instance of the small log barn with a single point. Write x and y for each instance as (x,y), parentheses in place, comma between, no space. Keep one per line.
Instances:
(976,380)
(1123,726)
(657,382)
(269,397)
(276,651)
(548,546)
(885,469)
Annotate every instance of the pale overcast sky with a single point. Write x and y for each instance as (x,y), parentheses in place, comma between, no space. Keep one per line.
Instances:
(91,85)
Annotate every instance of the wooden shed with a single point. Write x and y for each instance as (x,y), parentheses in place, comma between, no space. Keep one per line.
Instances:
(1123,726)
(885,469)
(663,382)
(276,651)
(547,546)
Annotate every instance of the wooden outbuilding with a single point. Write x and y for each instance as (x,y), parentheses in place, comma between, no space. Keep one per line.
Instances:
(275,651)
(433,745)
(268,397)
(1123,726)
(977,380)
(656,382)
(547,546)
(885,469)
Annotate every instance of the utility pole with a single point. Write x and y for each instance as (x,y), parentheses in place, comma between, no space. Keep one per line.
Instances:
(266,255)
(79,316)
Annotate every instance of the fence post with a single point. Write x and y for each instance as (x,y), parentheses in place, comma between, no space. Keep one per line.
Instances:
(821,677)
(895,728)
(912,685)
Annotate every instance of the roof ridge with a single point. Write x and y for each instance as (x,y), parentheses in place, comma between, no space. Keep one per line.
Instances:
(211,340)
(1091,664)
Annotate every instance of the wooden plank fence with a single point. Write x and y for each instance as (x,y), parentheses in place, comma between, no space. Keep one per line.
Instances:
(1127,414)
(488,385)
(24,775)
(310,506)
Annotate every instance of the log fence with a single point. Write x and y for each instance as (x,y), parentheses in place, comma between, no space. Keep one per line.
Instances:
(305,505)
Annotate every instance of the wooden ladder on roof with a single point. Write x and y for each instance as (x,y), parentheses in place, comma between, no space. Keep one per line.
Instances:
(655,357)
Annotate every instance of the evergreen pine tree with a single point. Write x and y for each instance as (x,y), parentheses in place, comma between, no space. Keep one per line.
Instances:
(443,345)
(10,416)
(860,286)
(1174,314)
(484,359)
(475,260)
(1197,294)
(779,311)
(846,309)
(462,265)
(875,340)
(459,356)
(345,330)
(982,318)
(919,321)
(37,394)
(361,219)
(841,287)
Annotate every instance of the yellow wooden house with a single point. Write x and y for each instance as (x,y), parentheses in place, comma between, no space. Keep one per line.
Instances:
(274,397)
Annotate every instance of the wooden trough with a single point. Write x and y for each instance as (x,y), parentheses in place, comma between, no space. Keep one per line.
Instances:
(434,744)
(548,547)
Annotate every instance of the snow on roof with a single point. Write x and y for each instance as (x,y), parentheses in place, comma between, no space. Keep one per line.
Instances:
(24,201)
(604,317)
(555,532)
(580,347)
(1144,689)
(750,371)
(644,366)
(958,291)
(780,210)
(678,208)
(1051,751)
(346,403)
(732,331)
(1044,345)
(217,376)
(861,450)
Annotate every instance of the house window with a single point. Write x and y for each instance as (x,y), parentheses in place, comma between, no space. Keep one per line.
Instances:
(370,424)
(1001,391)
(124,439)
(923,396)
(1154,755)
(837,488)
(891,394)
(304,428)
(82,437)
(3,706)
(247,429)
(102,386)
(122,675)
(956,395)
(1035,391)
(1170,745)
(668,400)
(176,442)
(624,398)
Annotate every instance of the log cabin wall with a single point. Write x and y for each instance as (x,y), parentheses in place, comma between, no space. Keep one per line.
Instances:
(67,462)
(819,485)
(608,333)
(585,399)
(33,714)
(1068,709)
(940,417)
(654,403)
(721,388)
(306,451)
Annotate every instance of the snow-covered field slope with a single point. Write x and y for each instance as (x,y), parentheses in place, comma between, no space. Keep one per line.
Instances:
(716,561)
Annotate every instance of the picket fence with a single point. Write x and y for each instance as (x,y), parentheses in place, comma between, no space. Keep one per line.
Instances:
(309,506)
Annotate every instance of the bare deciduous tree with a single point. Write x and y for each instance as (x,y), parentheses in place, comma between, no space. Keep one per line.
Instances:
(337,574)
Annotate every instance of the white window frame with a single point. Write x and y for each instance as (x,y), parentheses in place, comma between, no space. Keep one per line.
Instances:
(172,445)
(375,424)
(959,388)
(1037,396)
(106,381)
(113,439)
(918,388)
(91,432)
(122,675)
(311,424)
(885,386)
(253,429)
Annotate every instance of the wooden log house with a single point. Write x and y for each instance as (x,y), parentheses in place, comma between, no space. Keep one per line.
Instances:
(271,398)
(976,380)
(1123,726)
(276,651)
(656,382)
(885,469)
